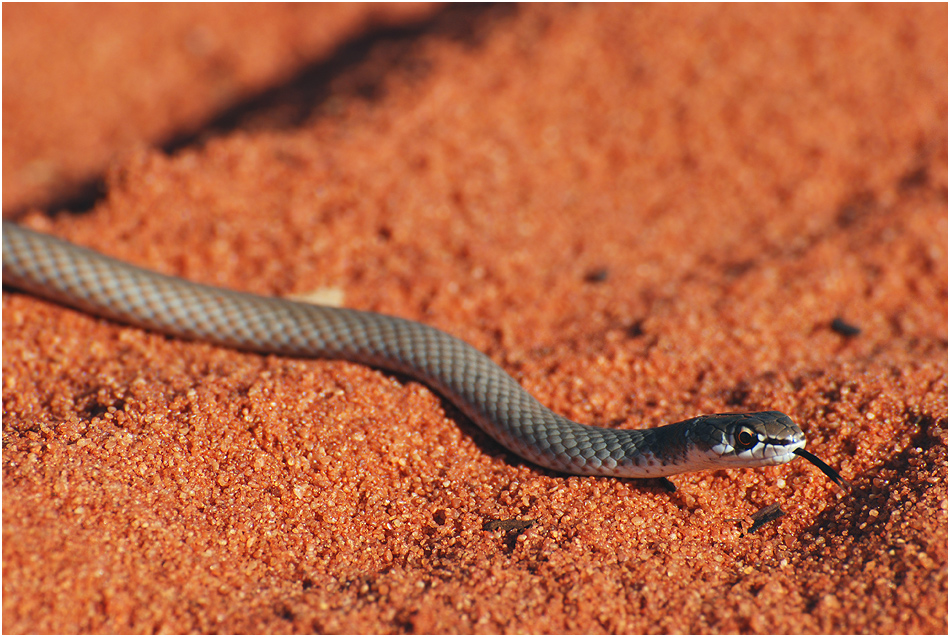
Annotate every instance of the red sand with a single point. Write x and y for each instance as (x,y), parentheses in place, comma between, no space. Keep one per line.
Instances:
(642,212)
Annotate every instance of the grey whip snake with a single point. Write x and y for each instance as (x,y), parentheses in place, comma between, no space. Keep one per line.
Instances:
(80,278)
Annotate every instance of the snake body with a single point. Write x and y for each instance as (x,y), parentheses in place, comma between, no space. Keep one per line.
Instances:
(483,391)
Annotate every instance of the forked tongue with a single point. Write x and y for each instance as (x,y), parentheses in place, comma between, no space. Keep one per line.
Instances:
(825,469)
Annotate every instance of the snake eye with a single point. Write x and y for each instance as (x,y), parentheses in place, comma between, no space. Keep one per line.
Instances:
(746,438)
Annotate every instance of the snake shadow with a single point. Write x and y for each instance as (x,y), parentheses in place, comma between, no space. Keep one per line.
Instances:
(492,448)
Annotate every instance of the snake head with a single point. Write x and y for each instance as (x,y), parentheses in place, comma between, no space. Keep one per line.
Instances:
(755,439)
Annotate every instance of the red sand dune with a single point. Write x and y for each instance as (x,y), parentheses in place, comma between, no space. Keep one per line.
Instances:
(643,213)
